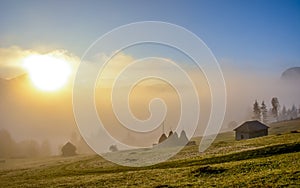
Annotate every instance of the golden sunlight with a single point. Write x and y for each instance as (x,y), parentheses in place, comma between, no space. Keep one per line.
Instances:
(47,72)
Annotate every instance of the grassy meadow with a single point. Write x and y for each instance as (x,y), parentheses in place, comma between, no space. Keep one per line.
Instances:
(270,161)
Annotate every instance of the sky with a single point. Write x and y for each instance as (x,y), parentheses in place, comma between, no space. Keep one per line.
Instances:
(260,35)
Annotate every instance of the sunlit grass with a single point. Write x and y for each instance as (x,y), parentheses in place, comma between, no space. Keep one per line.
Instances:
(271,161)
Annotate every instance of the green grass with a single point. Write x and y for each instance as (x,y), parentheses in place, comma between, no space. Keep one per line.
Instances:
(271,161)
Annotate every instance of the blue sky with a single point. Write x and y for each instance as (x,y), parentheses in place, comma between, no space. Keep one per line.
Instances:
(261,35)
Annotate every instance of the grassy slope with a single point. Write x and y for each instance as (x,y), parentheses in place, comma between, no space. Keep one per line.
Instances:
(267,161)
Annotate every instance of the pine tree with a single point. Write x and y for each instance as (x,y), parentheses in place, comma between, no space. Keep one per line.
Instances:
(283,113)
(264,112)
(293,112)
(256,111)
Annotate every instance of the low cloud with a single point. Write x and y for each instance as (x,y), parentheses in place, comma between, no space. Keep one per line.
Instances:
(11,60)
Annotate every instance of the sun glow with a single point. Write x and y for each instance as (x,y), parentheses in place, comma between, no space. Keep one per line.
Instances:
(47,72)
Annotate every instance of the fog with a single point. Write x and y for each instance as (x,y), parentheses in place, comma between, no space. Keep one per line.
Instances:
(244,87)
(35,123)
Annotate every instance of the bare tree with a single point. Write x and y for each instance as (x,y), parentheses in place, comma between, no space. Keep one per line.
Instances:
(275,107)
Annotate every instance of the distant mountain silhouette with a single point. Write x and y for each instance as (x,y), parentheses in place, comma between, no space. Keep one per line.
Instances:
(23,77)
(19,80)
(291,74)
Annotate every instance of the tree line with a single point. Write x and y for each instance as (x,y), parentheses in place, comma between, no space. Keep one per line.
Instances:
(275,113)
(9,148)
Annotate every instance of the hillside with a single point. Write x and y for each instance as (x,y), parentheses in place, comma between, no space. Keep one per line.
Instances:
(271,161)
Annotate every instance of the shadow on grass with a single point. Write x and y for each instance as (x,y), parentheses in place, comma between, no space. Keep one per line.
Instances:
(243,155)
(207,170)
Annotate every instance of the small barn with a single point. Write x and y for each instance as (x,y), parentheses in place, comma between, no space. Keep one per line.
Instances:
(182,140)
(162,138)
(174,140)
(251,129)
(68,150)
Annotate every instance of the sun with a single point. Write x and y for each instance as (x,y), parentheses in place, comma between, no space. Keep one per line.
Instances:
(47,72)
